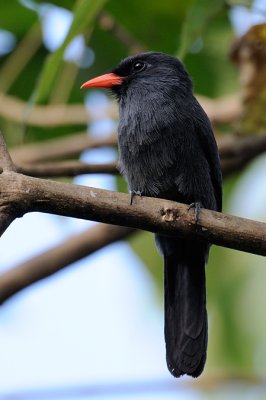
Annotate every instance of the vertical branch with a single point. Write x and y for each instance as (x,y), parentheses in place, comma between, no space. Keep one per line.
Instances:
(6,163)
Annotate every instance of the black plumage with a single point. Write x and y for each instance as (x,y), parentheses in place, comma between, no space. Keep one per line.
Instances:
(167,150)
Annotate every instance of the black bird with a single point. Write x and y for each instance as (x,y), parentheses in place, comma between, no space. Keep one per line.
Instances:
(167,150)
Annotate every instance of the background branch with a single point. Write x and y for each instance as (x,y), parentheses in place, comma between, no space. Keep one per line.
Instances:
(49,262)
(13,109)
(235,146)
(66,168)
(235,152)
(69,146)
(221,110)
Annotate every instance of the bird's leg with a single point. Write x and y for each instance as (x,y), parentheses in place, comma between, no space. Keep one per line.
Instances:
(134,193)
(197,208)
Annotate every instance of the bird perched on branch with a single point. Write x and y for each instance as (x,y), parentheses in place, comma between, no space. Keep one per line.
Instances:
(167,150)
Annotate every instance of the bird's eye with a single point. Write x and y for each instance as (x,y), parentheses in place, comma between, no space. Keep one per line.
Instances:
(138,66)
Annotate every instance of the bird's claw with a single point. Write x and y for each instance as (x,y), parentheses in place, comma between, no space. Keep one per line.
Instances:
(197,208)
(134,193)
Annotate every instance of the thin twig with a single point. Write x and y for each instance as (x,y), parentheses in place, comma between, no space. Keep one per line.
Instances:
(66,168)
(54,149)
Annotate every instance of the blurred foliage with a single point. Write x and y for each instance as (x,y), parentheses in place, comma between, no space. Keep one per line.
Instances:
(9,17)
(198,15)
(84,13)
(211,61)
(197,30)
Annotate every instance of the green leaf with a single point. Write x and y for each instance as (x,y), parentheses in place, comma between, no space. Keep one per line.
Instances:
(84,14)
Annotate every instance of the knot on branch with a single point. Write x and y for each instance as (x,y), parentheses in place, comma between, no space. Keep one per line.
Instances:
(170,214)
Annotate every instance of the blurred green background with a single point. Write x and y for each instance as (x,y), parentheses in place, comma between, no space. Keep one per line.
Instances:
(201,33)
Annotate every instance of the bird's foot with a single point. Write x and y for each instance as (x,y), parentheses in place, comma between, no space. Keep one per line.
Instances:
(197,208)
(134,193)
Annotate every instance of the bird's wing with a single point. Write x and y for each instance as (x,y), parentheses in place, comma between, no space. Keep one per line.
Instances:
(209,147)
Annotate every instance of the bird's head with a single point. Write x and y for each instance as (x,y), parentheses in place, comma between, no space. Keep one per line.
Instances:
(152,71)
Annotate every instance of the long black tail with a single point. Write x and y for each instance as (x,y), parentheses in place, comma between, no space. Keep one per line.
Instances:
(186,325)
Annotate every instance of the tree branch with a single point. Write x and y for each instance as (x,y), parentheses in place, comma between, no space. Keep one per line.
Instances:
(246,147)
(69,146)
(49,262)
(6,163)
(13,109)
(6,167)
(221,110)
(66,168)
(238,152)
(26,194)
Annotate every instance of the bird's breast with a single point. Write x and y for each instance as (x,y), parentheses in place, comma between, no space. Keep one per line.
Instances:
(145,159)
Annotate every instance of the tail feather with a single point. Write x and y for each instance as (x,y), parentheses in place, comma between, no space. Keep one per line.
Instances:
(186,325)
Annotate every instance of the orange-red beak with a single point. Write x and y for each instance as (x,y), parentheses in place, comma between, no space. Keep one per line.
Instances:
(103,81)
